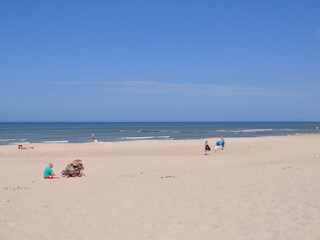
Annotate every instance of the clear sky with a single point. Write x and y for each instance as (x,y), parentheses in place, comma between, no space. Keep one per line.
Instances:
(93,60)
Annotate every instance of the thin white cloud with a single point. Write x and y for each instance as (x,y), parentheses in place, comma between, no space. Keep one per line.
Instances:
(207,89)
(165,88)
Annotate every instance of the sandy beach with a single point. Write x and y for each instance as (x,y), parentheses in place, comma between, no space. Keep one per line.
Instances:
(256,188)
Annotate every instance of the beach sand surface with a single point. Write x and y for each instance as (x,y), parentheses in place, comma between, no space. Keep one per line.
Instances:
(256,188)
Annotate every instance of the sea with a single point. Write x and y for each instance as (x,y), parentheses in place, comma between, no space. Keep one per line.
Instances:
(80,132)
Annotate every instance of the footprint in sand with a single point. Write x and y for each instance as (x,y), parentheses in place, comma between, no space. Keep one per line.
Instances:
(169,176)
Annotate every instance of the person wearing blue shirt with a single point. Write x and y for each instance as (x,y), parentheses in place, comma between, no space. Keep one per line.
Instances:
(219,143)
(48,173)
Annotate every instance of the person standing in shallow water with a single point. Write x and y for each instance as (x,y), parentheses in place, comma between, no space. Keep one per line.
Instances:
(93,137)
(206,148)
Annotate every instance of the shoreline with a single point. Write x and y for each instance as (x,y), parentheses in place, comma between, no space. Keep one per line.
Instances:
(159,139)
(121,132)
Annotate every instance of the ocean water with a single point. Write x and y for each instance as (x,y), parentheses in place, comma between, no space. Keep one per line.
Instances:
(69,132)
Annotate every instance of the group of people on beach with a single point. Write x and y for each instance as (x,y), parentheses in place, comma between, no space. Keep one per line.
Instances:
(76,168)
(220,142)
(73,169)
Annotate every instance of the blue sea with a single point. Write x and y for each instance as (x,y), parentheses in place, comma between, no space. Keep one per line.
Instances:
(79,132)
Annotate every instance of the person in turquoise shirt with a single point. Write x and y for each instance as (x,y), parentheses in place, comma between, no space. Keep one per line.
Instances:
(48,172)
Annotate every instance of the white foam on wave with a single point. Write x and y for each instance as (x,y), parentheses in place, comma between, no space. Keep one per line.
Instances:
(129,131)
(145,137)
(251,130)
(12,139)
(137,138)
(18,143)
(149,130)
(163,137)
(62,141)
(257,130)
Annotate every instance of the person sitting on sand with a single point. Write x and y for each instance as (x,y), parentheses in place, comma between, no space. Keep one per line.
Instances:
(80,167)
(24,148)
(206,148)
(74,169)
(48,173)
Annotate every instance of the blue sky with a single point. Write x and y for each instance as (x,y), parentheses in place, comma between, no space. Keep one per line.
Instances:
(159,60)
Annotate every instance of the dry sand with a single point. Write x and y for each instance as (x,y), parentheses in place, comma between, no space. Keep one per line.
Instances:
(257,188)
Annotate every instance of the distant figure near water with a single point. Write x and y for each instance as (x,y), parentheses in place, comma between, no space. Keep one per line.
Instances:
(94,138)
